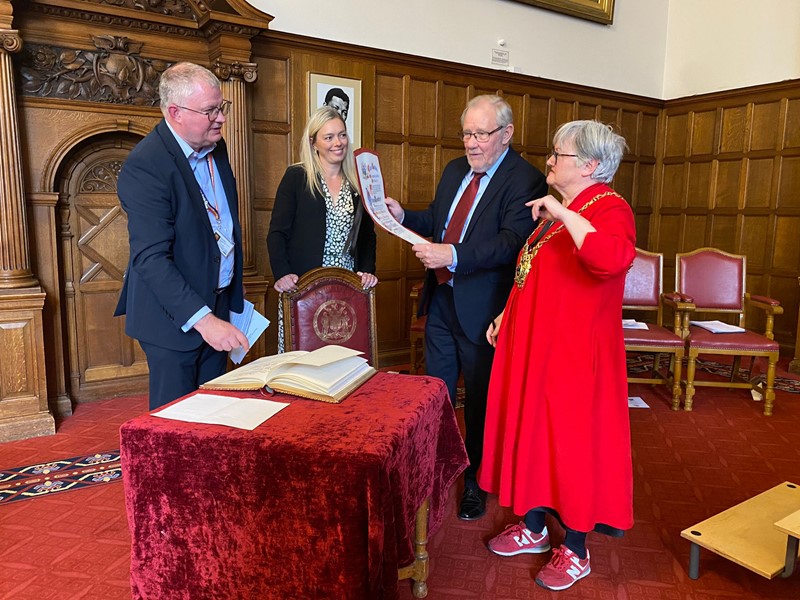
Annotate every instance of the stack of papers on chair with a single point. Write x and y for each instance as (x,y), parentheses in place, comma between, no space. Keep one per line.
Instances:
(328,374)
(718,326)
(633,324)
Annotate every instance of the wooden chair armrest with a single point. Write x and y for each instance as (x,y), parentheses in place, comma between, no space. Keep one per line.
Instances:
(770,305)
(681,305)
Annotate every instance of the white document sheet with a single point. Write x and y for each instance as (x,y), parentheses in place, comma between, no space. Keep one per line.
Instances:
(633,324)
(718,326)
(242,413)
(250,322)
(370,180)
(636,402)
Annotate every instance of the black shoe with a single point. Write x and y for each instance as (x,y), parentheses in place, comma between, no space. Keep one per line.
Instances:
(473,504)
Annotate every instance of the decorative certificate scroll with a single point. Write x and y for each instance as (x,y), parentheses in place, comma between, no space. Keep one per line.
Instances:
(370,180)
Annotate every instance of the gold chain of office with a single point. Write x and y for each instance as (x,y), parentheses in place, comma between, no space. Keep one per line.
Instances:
(529,252)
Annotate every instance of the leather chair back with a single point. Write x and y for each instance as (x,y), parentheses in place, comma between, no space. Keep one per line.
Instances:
(330,307)
(712,278)
(643,283)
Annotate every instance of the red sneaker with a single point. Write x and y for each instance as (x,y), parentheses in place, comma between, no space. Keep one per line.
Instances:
(518,539)
(564,569)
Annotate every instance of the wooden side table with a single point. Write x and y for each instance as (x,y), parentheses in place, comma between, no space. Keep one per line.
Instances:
(752,534)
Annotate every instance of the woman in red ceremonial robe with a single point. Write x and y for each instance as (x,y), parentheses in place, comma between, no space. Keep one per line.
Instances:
(557,437)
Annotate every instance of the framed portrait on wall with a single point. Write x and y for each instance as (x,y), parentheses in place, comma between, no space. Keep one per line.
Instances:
(344,95)
(601,11)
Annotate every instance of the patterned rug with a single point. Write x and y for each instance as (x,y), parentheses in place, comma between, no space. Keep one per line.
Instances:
(35,481)
(644,362)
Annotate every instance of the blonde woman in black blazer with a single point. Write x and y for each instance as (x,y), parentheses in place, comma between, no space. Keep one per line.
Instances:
(318,219)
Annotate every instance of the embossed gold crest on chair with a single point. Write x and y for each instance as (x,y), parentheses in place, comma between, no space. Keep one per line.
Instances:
(330,306)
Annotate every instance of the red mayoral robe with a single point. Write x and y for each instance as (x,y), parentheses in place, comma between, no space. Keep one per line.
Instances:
(557,430)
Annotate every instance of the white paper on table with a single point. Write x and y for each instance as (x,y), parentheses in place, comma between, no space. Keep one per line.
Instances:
(370,180)
(250,322)
(242,413)
(633,324)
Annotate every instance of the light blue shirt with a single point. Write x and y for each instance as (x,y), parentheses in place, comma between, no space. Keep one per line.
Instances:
(483,184)
(216,197)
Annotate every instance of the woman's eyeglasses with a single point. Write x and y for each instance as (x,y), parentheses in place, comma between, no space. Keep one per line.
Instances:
(555,155)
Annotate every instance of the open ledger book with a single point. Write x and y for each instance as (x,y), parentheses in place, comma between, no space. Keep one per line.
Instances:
(329,374)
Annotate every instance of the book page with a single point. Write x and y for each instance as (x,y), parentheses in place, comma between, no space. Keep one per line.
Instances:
(242,413)
(324,355)
(321,379)
(256,372)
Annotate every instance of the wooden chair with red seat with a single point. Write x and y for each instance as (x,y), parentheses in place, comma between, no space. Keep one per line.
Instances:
(416,333)
(714,281)
(330,306)
(643,292)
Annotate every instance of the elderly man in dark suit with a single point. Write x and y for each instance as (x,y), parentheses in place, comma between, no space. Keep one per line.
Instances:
(184,274)
(478,222)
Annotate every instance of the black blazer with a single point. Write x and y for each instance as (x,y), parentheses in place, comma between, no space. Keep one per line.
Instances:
(173,268)
(296,237)
(487,255)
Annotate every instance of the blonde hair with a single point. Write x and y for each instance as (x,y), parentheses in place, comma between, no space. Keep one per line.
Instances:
(309,159)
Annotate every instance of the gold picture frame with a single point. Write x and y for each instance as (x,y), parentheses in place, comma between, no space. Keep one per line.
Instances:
(320,85)
(601,11)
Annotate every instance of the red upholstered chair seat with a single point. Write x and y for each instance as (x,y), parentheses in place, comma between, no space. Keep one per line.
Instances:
(715,282)
(643,285)
(653,335)
(330,306)
(748,341)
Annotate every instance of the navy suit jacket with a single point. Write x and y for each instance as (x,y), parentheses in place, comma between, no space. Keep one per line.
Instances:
(487,255)
(173,268)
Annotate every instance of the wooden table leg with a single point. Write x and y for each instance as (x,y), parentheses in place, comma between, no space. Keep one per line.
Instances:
(418,570)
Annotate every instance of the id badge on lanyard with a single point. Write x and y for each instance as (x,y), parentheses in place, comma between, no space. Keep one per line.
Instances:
(225,245)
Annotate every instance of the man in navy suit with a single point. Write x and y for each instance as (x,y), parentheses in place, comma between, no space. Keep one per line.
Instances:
(184,274)
(471,267)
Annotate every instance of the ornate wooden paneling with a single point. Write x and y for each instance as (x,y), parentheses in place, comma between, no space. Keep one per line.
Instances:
(730,178)
(411,116)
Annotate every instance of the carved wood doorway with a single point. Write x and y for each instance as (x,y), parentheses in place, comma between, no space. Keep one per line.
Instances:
(102,361)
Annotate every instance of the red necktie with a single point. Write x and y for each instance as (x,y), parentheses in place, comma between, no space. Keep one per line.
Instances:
(452,234)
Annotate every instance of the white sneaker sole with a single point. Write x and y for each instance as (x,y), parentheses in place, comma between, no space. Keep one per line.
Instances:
(539,550)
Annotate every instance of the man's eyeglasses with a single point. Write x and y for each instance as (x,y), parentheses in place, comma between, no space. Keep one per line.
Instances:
(211,113)
(555,155)
(481,136)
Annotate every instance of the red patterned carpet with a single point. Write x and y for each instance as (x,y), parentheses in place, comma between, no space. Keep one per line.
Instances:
(688,466)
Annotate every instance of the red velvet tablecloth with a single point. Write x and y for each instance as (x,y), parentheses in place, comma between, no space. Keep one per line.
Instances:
(317,502)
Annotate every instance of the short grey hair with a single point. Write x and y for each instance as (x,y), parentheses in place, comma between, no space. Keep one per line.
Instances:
(594,140)
(502,110)
(180,81)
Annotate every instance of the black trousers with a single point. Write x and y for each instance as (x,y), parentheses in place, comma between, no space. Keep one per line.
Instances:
(175,373)
(448,353)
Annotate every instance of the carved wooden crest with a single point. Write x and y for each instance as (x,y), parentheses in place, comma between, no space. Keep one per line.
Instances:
(335,321)
(113,73)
